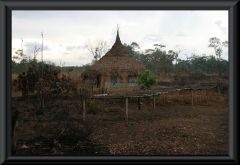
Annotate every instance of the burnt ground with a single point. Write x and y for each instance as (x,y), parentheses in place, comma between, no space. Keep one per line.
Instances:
(177,128)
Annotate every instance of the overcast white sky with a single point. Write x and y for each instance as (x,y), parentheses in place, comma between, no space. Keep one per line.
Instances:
(66,32)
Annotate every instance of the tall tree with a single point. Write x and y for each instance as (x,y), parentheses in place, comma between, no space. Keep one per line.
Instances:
(97,48)
(218,47)
(132,49)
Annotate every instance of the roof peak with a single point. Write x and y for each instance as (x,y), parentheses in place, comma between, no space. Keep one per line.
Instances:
(118,38)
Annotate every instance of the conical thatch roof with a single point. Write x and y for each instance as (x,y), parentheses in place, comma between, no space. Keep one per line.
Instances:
(117,61)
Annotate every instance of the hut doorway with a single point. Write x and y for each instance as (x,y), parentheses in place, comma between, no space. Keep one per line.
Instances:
(98,81)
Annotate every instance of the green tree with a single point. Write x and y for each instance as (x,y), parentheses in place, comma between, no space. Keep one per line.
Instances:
(132,49)
(145,79)
(218,48)
(161,61)
(23,60)
(212,64)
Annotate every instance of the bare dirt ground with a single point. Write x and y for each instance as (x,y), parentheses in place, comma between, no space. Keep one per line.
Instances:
(182,130)
(177,128)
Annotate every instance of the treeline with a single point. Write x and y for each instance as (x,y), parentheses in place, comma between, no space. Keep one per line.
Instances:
(156,60)
(160,61)
(22,66)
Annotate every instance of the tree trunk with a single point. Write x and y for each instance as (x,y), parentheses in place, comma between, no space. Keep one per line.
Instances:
(219,69)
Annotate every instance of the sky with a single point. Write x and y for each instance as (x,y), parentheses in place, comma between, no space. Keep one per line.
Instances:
(65,33)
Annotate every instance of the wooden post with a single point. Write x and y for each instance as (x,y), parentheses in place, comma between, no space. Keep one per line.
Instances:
(92,88)
(192,96)
(218,91)
(207,94)
(138,103)
(153,107)
(127,110)
(182,96)
(84,110)
(199,98)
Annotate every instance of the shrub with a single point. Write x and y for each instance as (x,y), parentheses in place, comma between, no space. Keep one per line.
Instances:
(27,80)
(145,79)
(181,75)
(197,75)
(95,108)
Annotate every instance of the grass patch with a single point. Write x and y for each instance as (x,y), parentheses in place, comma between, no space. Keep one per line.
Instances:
(204,98)
(93,107)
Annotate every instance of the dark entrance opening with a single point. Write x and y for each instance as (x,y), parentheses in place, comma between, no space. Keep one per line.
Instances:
(98,80)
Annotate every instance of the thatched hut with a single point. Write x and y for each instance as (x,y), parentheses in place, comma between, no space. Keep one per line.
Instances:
(117,68)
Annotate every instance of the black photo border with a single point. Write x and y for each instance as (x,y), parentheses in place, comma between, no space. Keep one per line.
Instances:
(6,7)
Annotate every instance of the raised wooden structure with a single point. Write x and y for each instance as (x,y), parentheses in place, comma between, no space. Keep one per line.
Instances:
(145,93)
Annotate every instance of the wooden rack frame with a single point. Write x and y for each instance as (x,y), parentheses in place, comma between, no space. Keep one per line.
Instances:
(144,93)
